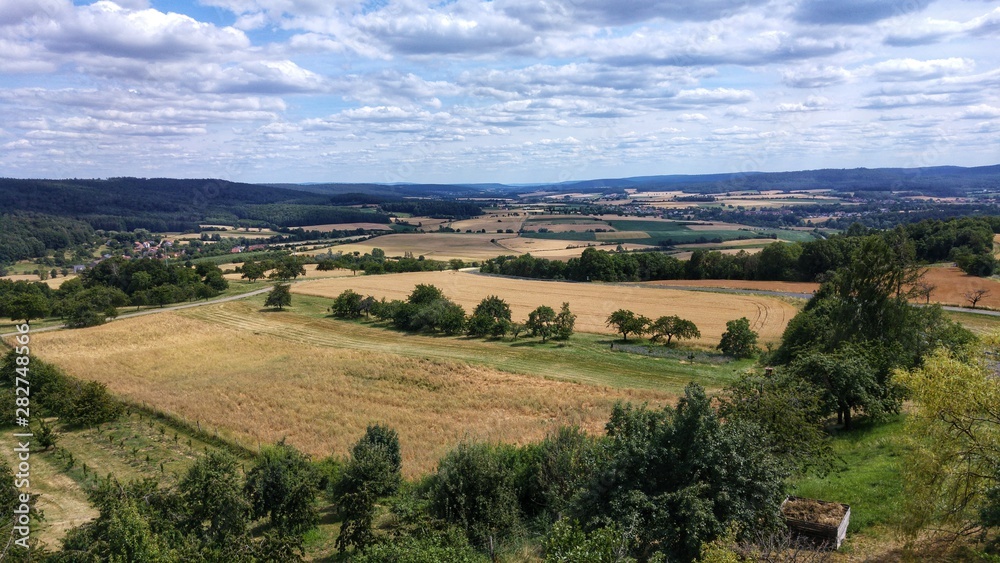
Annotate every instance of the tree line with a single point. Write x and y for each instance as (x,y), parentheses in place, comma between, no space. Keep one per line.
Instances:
(427,309)
(111,284)
(966,241)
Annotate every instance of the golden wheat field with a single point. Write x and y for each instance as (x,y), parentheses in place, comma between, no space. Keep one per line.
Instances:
(592,303)
(258,387)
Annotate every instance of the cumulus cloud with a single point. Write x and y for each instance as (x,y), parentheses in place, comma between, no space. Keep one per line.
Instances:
(854,12)
(815,77)
(932,30)
(898,70)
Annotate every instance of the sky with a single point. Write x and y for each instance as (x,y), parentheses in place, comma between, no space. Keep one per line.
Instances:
(512,91)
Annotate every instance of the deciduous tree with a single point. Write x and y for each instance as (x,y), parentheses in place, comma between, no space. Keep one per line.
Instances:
(627,322)
(739,340)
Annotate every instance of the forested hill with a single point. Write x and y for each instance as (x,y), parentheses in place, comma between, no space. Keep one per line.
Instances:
(942,181)
(160,204)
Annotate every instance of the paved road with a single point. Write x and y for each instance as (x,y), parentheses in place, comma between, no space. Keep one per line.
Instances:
(159,310)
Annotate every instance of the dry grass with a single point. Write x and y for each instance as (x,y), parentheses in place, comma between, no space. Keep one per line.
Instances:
(255,386)
(792,287)
(592,303)
(63,502)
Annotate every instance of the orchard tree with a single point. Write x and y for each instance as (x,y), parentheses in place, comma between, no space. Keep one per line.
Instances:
(372,472)
(347,305)
(627,322)
(283,485)
(289,268)
(253,271)
(739,340)
(213,495)
(671,327)
(565,321)
(490,318)
(541,322)
(280,296)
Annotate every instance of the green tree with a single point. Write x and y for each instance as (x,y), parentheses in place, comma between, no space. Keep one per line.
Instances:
(739,340)
(212,489)
(790,411)
(347,305)
(289,268)
(564,323)
(129,537)
(626,322)
(676,478)
(474,489)
(673,326)
(253,271)
(283,485)
(491,317)
(950,475)
(280,296)
(27,306)
(541,322)
(424,294)
(372,472)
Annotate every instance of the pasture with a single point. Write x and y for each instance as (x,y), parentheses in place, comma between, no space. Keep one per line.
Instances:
(259,376)
(592,303)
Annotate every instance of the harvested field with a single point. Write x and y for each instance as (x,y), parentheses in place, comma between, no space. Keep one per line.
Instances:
(439,246)
(348,227)
(951,284)
(490,223)
(592,303)
(261,376)
(791,287)
(311,273)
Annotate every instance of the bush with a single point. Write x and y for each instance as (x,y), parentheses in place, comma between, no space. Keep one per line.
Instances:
(91,405)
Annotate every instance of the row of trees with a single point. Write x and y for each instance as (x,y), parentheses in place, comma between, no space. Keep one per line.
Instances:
(427,309)
(377,263)
(967,241)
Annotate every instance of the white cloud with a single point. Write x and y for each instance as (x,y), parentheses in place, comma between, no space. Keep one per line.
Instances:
(897,70)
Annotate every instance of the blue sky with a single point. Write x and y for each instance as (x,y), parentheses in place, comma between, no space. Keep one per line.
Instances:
(498,91)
